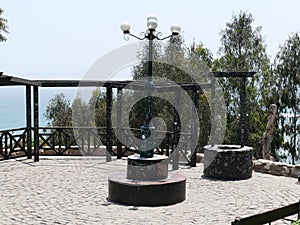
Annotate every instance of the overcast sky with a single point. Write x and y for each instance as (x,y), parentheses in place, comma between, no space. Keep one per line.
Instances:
(61,39)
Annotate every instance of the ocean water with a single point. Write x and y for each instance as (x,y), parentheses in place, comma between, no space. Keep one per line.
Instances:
(13,105)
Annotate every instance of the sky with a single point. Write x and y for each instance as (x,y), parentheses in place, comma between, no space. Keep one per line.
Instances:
(61,39)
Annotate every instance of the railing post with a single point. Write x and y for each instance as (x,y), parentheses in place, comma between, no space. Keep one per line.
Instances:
(108,123)
(36,123)
(89,141)
(6,146)
(28,121)
(59,140)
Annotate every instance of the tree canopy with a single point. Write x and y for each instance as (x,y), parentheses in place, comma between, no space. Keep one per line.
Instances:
(3,27)
(59,111)
(243,49)
(287,70)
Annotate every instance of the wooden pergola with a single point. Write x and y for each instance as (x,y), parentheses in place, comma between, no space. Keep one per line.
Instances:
(33,86)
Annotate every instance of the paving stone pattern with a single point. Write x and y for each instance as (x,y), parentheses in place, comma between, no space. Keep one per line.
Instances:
(74,191)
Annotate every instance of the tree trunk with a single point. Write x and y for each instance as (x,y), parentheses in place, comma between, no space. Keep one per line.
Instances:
(267,137)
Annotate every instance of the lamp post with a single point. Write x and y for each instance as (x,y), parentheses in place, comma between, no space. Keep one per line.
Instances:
(150,34)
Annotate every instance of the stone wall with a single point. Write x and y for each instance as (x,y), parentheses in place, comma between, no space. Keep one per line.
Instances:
(268,166)
(276,168)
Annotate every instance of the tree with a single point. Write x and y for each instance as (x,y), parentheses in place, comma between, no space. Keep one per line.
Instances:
(174,62)
(287,69)
(243,49)
(3,27)
(162,71)
(199,53)
(97,105)
(81,114)
(59,111)
(204,54)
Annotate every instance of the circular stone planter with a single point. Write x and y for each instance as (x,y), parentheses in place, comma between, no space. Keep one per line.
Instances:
(146,193)
(147,183)
(228,162)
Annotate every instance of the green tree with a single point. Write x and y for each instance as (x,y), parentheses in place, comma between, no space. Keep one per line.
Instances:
(199,53)
(287,70)
(204,54)
(139,71)
(97,105)
(59,111)
(81,114)
(162,71)
(243,49)
(169,62)
(3,27)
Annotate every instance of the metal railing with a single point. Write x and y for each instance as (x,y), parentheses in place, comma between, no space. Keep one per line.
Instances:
(89,141)
(69,140)
(13,143)
(270,216)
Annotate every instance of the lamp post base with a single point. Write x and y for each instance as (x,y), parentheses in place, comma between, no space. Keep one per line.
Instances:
(148,183)
(150,169)
(146,193)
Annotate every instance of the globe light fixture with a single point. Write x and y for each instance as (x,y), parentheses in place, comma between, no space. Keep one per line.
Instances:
(125,27)
(151,33)
(151,24)
(175,29)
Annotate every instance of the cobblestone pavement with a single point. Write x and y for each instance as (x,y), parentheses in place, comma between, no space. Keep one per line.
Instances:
(74,191)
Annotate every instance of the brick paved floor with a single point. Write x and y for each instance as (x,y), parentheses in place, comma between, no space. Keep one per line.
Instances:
(74,191)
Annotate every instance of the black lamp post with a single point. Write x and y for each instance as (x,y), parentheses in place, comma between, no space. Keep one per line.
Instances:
(146,150)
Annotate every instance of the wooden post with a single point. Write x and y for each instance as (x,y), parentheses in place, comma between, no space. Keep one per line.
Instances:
(242,110)
(243,76)
(267,137)
(108,123)
(36,123)
(194,129)
(28,121)
(119,119)
(213,116)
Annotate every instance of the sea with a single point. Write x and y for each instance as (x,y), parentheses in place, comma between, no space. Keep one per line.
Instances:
(13,105)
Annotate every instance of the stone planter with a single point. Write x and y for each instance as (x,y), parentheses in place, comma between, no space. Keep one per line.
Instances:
(228,162)
(147,183)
